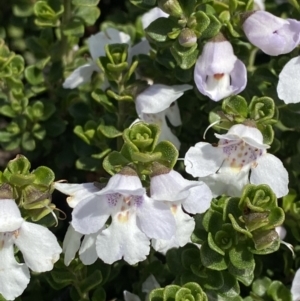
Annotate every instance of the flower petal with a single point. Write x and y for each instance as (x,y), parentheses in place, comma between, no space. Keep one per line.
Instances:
(295,289)
(203,159)
(10,216)
(170,186)
(158,97)
(250,135)
(238,77)
(80,76)
(184,228)
(77,192)
(264,173)
(87,253)
(152,15)
(142,47)
(14,277)
(155,219)
(97,42)
(173,114)
(199,199)
(130,297)
(288,88)
(122,239)
(39,247)
(150,284)
(271,34)
(123,184)
(90,215)
(71,244)
(229,182)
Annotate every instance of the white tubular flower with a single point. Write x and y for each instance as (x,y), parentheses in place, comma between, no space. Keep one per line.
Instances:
(156,103)
(226,168)
(295,289)
(218,72)
(170,187)
(38,245)
(135,219)
(96,44)
(288,88)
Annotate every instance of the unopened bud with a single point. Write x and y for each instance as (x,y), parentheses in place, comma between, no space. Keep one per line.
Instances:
(171,7)
(187,38)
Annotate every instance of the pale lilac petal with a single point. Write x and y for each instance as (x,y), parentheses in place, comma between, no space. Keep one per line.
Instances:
(218,73)
(184,227)
(199,199)
(228,182)
(295,289)
(250,135)
(123,184)
(155,219)
(238,77)
(10,217)
(271,34)
(130,296)
(96,43)
(14,277)
(90,215)
(203,159)
(217,57)
(158,97)
(122,239)
(87,253)
(80,76)
(288,88)
(39,247)
(77,192)
(270,170)
(170,187)
(71,244)
(152,15)
(173,114)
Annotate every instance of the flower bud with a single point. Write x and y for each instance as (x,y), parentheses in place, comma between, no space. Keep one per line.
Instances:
(187,38)
(171,7)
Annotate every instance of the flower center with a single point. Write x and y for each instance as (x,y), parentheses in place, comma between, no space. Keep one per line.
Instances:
(238,153)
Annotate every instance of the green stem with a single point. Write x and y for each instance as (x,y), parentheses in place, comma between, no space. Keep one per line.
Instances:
(121,120)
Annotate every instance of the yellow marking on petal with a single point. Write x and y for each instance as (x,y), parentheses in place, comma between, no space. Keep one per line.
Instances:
(174,209)
(240,155)
(1,244)
(16,233)
(254,164)
(218,76)
(123,217)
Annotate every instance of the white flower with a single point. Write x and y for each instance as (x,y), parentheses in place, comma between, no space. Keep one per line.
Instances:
(156,103)
(152,15)
(135,218)
(72,241)
(295,289)
(38,245)
(239,159)
(170,187)
(288,88)
(259,5)
(218,72)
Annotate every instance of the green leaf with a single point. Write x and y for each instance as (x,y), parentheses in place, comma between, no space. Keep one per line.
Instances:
(74,27)
(85,2)
(99,294)
(109,131)
(213,28)
(27,141)
(19,165)
(211,259)
(169,153)
(201,23)
(34,75)
(114,162)
(43,176)
(89,14)
(159,29)
(91,281)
